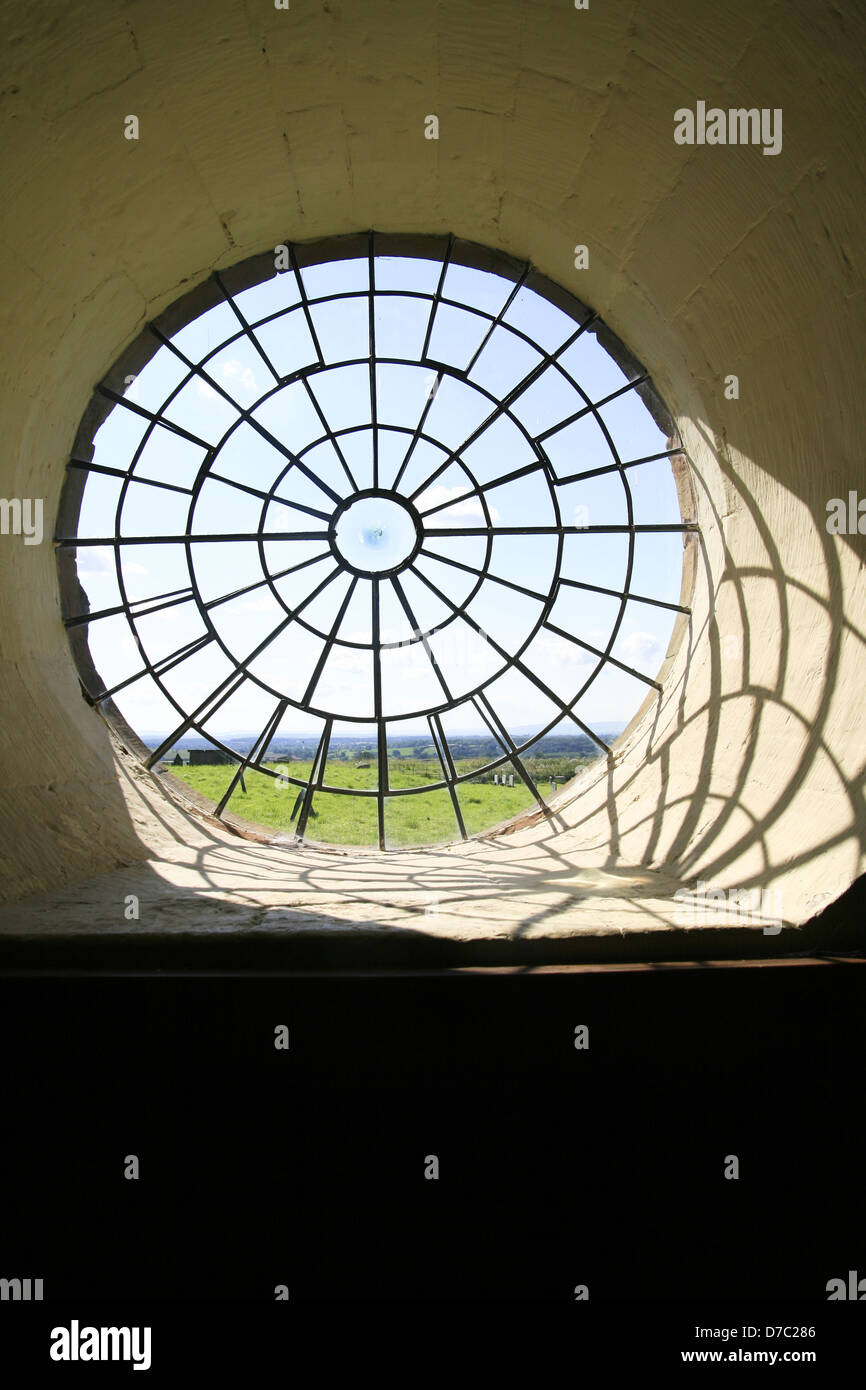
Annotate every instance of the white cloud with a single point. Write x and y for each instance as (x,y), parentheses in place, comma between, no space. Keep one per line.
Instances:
(95,559)
(99,559)
(438,494)
(640,646)
(233,370)
(552,653)
(265,603)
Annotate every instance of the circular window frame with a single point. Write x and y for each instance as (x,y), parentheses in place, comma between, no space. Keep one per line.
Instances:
(448,250)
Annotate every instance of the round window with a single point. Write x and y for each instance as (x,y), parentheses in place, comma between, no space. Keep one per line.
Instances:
(374,541)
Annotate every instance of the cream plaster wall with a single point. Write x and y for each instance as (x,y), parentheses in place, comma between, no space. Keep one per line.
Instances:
(556,127)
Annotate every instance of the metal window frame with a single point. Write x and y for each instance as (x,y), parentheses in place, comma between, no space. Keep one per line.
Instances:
(220,289)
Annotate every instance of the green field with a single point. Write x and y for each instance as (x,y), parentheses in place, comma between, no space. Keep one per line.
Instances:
(426,817)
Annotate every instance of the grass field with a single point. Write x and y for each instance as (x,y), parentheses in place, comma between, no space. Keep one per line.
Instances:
(426,817)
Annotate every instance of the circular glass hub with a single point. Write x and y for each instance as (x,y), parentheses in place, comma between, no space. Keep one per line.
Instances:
(375,534)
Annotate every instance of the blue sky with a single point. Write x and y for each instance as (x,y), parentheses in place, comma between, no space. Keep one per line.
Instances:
(246,460)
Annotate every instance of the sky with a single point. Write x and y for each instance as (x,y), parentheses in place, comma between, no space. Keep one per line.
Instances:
(256,488)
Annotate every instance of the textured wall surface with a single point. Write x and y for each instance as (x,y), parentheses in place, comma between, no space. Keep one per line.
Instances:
(260,125)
